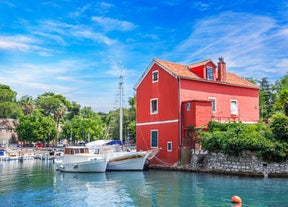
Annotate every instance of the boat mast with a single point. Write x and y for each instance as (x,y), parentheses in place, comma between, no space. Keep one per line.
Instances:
(121,108)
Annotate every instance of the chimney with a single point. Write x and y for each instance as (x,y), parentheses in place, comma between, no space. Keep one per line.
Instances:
(221,70)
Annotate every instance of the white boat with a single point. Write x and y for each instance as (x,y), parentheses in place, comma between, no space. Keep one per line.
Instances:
(120,159)
(78,159)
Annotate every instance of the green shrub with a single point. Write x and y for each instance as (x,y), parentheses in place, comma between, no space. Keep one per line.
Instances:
(234,138)
(279,126)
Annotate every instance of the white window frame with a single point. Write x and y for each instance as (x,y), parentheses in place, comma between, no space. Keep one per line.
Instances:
(213,100)
(151,138)
(188,105)
(233,109)
(154,80)
(209,68)
(169,149)
(151,106)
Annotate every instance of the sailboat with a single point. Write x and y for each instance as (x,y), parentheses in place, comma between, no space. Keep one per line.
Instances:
(121,158)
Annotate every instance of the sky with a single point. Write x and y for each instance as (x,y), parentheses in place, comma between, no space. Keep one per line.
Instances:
(79,48)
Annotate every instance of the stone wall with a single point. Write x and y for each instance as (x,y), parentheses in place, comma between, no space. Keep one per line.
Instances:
(7,131)
(248,164)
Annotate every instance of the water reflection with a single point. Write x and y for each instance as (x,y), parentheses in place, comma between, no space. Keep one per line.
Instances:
(37,183)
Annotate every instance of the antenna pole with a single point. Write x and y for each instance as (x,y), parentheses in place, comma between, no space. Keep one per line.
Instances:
(121,108)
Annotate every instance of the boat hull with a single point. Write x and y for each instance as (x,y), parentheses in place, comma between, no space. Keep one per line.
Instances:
(127,161)
(93,165)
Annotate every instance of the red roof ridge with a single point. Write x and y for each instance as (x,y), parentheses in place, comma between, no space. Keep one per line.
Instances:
(204,62)
(182,70)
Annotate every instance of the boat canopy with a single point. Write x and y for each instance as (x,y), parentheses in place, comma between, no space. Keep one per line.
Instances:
(99,146)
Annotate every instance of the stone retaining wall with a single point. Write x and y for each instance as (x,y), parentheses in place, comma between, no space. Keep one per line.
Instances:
(248,164)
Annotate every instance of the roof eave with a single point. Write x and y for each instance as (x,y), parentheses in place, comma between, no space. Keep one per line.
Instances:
(216,82)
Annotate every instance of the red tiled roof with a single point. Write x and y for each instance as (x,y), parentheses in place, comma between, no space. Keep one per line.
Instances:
(177,69)
(232,78)
(204,62)
(182,70)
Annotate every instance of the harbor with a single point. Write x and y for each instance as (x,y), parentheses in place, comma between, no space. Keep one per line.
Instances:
(29,153)
(37,183)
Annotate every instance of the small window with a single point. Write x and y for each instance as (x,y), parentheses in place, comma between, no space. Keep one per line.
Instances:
(209,73)
(155,76)
(234,107)
(154,138)
(169,146)
(213,103)
(154,106)
(188,107)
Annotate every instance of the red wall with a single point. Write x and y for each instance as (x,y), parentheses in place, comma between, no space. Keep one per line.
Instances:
(167,99)
(199,114)
(248,101)
(167,112)
(166,133)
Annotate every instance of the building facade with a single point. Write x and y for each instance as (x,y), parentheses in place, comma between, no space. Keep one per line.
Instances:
(173,98)
(8,131)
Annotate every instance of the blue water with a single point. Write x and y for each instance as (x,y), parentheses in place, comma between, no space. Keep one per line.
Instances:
(36,183)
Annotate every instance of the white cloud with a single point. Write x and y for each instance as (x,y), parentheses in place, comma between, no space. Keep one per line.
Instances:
(113,24)
(94,36)
(23,43)
(244,40)
(18,42)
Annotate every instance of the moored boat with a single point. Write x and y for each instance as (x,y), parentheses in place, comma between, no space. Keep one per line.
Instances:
(78,159)
(120,159)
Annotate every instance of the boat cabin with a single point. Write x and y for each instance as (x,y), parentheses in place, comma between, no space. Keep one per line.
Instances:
(76,150)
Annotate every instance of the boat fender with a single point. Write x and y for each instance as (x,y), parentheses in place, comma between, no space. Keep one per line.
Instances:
(236,199)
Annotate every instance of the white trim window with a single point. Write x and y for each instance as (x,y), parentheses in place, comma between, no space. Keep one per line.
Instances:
(154,138)
(209,73)
(213,103)
(155,76)
(233,106)
(169,146)
(154,106)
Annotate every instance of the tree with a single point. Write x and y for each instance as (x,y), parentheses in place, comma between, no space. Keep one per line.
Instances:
(87,112)
(83,129)
(27,104)
(54,105)
(36,127)
(131,127)
(279,126)
(6,94)
(8,105)
(281,87)
(266,98)
(73,110)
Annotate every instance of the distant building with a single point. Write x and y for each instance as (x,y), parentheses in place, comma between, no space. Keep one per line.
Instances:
(172,98)
(8,131)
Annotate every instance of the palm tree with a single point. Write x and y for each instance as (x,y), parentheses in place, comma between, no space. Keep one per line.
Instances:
(27,104)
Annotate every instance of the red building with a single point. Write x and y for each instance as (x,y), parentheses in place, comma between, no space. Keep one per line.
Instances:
(171,98)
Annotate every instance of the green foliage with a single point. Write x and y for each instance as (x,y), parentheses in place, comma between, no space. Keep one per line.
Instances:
(8,105)
(279,127)
(83,129)
(87,112)
(235,138)
(266,98)
(10,110)
(6,94)
(27,104)
(36,127)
